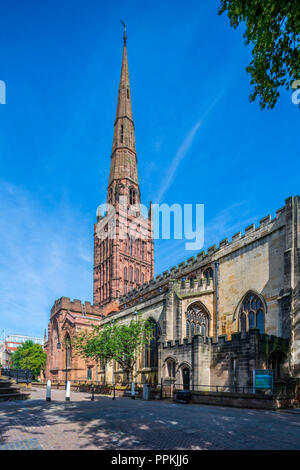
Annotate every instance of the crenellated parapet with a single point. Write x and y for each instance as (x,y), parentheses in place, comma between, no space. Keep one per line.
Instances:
(193,286)
(75,306)
(267,343)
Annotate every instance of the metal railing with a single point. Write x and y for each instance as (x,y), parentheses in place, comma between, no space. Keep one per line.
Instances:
(170,388)
(20,375)
(214,388)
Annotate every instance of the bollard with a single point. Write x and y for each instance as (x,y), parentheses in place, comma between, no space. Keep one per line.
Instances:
(146,392)
(68,390)
(114,395)
(132,391)
(93,395)
(48,391)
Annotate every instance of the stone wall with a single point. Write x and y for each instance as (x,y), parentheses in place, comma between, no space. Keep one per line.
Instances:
(223,363)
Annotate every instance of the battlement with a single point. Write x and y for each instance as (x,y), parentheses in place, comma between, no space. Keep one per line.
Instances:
(76,306)
(266,342)
(193,286)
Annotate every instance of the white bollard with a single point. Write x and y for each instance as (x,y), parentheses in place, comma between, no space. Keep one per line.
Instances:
(132,391)
(48,392)
(68,390)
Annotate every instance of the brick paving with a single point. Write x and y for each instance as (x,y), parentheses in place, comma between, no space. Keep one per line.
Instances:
(134,424)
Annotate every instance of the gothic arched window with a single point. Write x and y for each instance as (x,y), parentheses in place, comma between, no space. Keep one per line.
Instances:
(208,274)
(171,368)
(151,348)
(197,320)
(252,308)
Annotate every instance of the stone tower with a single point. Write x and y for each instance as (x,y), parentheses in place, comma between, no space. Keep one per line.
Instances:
(123,240)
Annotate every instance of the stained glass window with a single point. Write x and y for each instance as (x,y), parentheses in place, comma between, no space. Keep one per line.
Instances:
(252,312)
(198,320)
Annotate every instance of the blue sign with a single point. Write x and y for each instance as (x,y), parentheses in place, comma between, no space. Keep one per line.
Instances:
(262,379)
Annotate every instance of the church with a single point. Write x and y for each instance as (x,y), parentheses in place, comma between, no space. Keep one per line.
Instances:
(216,317)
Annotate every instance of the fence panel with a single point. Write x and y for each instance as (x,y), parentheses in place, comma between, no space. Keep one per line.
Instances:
(20,375)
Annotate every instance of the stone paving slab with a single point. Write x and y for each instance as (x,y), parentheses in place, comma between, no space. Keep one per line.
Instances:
(26,444)
(135,424)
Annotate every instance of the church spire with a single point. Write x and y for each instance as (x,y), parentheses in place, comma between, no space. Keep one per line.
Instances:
(123,158)
(123,242)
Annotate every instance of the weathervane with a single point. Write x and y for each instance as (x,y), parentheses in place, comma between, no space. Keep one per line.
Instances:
(125,36)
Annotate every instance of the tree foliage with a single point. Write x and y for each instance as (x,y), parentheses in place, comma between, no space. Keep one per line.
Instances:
(114,341)
(29,356)
(273,29)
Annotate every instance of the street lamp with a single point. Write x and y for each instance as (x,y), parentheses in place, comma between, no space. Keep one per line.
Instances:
(66,367)
(59,347)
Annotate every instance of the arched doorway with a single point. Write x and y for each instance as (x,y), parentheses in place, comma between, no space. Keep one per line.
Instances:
(186,378)
(275,362)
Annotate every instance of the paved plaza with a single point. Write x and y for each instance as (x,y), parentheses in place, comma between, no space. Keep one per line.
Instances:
(135,424)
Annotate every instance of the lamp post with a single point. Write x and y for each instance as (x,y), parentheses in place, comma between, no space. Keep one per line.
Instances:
(66,367)
(58,345)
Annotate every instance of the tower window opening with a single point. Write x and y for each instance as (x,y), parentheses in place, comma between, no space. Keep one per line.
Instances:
(122,134)
(131,247)
(132,196)
(128,93)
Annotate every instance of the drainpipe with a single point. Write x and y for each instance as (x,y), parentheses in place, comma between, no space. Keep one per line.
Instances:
(217,295)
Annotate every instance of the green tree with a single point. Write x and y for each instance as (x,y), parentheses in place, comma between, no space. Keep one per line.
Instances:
(29,356)
(18,354)
(273,30)
(121,342)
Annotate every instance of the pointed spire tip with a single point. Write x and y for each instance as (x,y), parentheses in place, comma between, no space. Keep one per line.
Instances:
(125,35)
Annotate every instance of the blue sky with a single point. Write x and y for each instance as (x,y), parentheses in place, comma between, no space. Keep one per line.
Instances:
(199,140)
